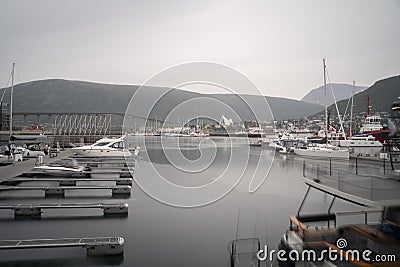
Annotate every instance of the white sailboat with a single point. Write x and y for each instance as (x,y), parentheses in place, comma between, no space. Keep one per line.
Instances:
(12,154)
(323,150)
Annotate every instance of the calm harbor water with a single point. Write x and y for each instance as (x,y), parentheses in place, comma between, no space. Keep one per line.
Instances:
(157,231)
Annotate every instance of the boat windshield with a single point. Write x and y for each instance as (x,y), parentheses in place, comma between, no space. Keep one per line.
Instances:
(119,145)
(102,144)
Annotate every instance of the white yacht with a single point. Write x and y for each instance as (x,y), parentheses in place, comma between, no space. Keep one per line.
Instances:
(365,146)
(105,147)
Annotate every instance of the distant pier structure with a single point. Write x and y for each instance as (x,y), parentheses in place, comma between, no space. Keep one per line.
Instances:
(74,127)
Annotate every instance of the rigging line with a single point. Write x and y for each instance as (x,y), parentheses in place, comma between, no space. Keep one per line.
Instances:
(334,98)
(347,106)
(5,88)
(18,76)
(237,224)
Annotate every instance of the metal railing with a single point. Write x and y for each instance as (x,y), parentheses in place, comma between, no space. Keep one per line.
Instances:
(373,186)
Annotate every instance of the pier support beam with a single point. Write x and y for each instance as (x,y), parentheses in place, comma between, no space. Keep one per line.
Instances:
(115,209)
(54,192)
(125,175)
(27,212)
(126,190)
(123,182)
(67,182)
(104,249)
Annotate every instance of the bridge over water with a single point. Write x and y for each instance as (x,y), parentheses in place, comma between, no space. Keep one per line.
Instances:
(78,127)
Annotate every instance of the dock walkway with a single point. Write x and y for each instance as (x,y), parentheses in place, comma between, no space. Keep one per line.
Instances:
(35,210)
(94,246)
(20,167)
(65,181)
(60,190)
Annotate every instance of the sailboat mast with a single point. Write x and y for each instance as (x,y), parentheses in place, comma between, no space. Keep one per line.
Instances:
(11,101)
(326,104)
(351,109)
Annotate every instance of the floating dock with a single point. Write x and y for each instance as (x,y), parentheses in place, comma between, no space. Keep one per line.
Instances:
(60,190)
(103,159)
(26,165)
(97,246)
(120,168)
(35,210)
(66,181)
(84,174)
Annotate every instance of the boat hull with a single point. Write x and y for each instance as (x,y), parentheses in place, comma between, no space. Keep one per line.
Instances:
(102,152)
(323,153)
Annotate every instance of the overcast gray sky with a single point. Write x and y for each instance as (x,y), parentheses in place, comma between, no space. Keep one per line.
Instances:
(277,44)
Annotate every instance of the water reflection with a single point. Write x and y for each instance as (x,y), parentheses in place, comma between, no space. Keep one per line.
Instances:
(162,235)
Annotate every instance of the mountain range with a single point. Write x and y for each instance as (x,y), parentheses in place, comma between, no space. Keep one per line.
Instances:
(341,91)
(381,94)
(58,95)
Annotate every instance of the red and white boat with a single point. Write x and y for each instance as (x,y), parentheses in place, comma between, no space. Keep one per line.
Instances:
(373,126)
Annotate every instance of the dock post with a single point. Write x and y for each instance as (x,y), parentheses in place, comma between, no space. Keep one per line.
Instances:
(302,202)
(357,165)
(384,165)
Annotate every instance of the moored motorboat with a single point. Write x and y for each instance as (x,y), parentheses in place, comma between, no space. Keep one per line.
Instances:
(62,167)
(105,147)
(322,151)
